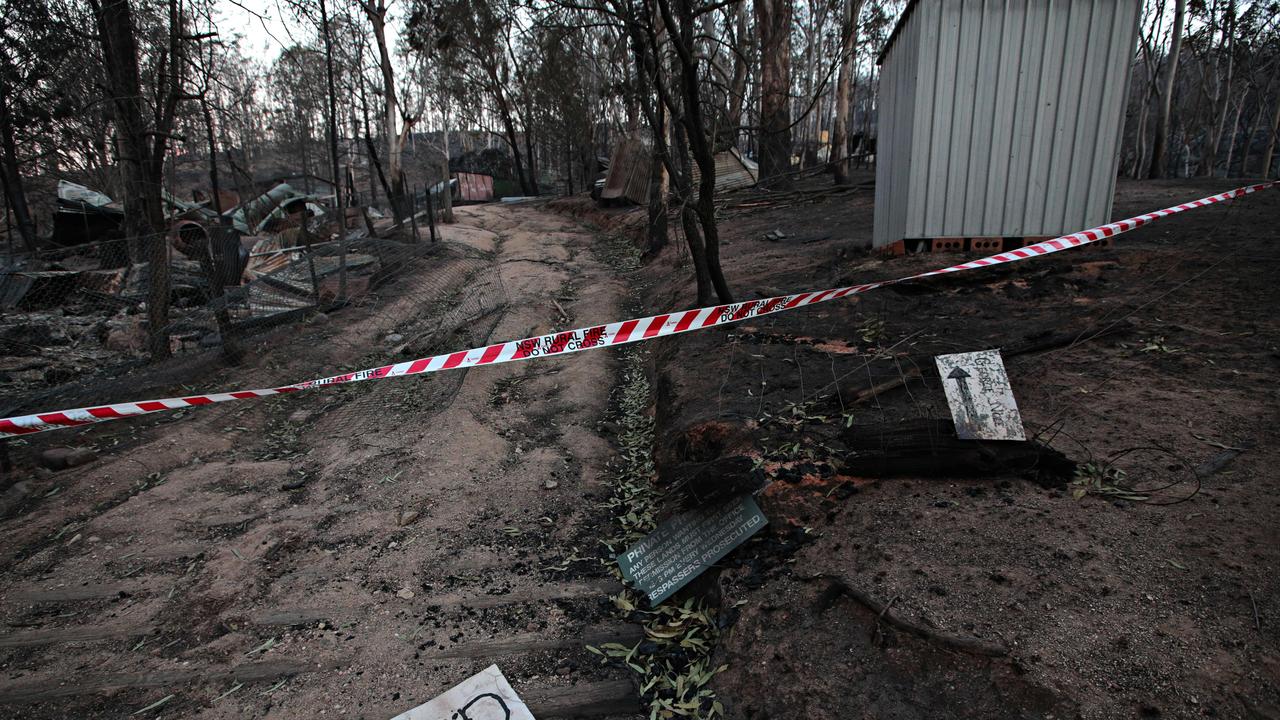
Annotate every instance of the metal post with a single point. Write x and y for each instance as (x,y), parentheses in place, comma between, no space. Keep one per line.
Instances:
(8,228)
(342,245)
(315,282)
(431,212)
(413,212)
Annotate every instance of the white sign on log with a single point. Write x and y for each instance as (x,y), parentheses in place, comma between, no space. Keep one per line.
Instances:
(484,696)
(981,400)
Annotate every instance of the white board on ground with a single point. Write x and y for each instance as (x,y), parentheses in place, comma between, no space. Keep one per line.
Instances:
(981,400)
(484,696)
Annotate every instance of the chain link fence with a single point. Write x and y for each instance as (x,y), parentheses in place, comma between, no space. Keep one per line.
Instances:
(246,311)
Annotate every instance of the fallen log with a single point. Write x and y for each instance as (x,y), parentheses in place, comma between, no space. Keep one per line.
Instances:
(1046,342)
(931,448)
(913,448)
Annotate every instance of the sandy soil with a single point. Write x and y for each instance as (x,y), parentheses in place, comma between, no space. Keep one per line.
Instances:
(350,552)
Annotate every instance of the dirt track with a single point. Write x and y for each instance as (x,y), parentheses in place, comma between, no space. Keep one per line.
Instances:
(431,527)
(177,565)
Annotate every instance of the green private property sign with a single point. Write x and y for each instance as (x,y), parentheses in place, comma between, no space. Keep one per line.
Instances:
(684,546)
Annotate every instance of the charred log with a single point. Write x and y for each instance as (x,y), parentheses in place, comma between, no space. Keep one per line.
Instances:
(930,448)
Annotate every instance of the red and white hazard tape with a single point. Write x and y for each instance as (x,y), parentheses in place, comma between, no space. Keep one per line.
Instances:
(571,341)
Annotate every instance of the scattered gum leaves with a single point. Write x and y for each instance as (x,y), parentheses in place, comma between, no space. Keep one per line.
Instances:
(673,659)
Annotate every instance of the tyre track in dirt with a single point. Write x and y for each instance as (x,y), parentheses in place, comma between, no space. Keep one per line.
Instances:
(432,526)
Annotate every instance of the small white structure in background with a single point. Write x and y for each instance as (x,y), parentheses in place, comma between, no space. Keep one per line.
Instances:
(484,696)
(1001,118)
(981,400)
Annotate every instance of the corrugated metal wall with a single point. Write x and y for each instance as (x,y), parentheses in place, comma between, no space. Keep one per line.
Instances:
(732,171)
(475,188)
(896,109)
(1002,118)
(629,168)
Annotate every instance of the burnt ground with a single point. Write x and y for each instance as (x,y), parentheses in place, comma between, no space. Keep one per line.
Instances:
(1153,596)
(351,552)
(356,551)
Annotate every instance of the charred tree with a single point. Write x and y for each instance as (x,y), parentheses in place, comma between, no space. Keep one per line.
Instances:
(446,196)
(773,25)
(37,50)
(656,117)
(1269,153)
(10,174)
(1161,139)
(513,142)
(658,187)
(683,20)
(220,266)
(840,126)
(1221,92)
(376,11)
(332,120)
(735,97)
(142,149)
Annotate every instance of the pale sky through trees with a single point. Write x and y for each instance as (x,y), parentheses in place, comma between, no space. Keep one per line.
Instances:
(266,26)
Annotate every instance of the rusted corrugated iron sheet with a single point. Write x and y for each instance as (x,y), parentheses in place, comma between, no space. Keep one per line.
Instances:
(733,171)
(629,172)
(475,188)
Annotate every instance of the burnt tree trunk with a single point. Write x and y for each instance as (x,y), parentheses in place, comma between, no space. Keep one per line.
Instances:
(377,14)
(532,161)
(333,153)
(657,118)
(736,96)
(700,147)
(658,184)
(142,150)
(446,197)
(509,133)
(217,270)
(840,132)
(931,448)
(10,173)
(1271,141)
(773,23)
(1161,139)
(371,153)
(1222,96)
(683,197)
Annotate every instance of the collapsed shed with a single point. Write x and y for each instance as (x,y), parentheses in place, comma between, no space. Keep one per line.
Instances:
(733,171)
(629,168)
(276,204)
(632,162)
(1000,121)
(84,215)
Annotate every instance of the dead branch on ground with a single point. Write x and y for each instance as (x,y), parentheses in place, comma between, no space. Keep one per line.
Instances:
(840,586)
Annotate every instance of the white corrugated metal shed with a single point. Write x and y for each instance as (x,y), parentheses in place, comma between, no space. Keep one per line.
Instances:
(1001,118)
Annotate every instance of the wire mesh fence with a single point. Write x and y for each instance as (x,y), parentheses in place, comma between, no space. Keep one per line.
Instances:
(74,334)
